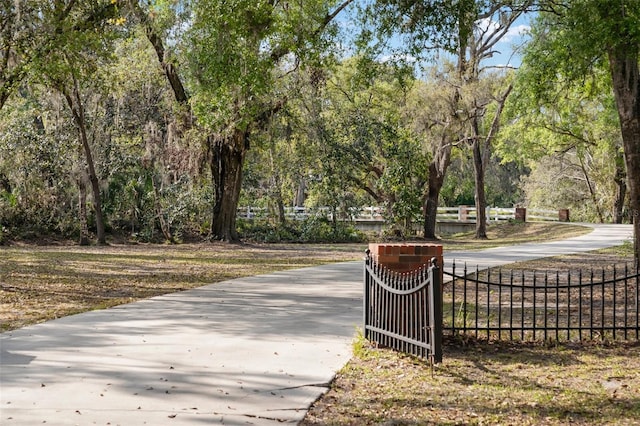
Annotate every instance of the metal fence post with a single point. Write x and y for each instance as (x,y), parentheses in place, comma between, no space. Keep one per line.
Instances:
(435,311)
(366,298)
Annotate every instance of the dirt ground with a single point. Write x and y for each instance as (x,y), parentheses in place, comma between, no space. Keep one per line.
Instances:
(39,283)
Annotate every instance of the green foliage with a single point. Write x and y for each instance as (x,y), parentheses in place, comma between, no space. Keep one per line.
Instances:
(592,29)
(502,183)
(35,33)
(316,229)
(35,159)
(562,181)
(362,153)
(404,178)
(345,133)
(236,50)
(421,26)
(563,122)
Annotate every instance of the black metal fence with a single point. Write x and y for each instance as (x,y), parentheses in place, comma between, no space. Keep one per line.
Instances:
(533,305)
(403,311)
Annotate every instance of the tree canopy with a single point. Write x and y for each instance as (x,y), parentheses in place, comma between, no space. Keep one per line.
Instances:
(571,41)
(160,119)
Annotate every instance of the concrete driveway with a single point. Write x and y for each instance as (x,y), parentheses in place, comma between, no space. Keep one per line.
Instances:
(253,351)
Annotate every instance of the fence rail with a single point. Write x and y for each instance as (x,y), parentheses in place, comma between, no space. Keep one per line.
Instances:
(376,213)
(531,305)
(403,311)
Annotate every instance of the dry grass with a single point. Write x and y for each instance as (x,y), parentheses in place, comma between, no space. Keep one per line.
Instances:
(39,283)
(511,233)
(487,383)
(42,283)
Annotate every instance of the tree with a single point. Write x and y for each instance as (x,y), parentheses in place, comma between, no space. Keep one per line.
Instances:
(580,129)
(502,182)
(364,145)
(599,32)
(32,30)
(579,180)
(467,30)
(42,39)
(237,50)
(38,148)
(69,71)
(435,119)
(482,93)
(72,95)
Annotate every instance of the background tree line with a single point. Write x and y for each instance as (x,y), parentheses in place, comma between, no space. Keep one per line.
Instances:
(158,119)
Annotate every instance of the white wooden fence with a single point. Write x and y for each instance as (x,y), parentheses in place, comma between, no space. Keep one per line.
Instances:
(375,213)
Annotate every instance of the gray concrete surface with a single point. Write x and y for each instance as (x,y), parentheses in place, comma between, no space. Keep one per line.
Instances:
(253,351)
(602,236)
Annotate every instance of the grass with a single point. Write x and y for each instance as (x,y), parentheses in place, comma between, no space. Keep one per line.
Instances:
(43,283)
(39,283)
(487,383)
(511,233)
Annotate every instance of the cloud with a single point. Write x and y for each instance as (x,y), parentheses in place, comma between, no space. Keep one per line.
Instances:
(515,33)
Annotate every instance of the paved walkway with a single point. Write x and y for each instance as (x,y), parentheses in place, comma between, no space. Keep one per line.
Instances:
(602,236)
(254,351)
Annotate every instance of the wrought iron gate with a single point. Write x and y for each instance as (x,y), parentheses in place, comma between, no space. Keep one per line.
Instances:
(403,311)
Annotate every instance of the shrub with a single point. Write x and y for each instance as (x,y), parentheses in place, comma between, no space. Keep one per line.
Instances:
(312,230)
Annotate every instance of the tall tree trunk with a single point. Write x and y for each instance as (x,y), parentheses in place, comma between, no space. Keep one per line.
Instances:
(164,226)
(170,71)
(625,73)
(592,191)
(282,214)
(431,205)
(77,111)
(300,193)
(480,197)
(620,180)
(227,159)
(481,157)
(277,190)
(82,210)
(437,171)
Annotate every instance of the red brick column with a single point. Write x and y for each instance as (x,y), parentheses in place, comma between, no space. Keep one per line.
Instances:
(405,257)
(563,215)
(521,214)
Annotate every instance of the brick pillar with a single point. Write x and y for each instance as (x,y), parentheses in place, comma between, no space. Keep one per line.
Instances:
(405,257)
(563,215)
(521,214)
(463,213)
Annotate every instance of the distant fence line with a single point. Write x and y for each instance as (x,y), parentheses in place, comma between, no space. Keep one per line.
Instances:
(376,213)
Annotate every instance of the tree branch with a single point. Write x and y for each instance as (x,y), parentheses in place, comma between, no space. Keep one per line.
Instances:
(170,70)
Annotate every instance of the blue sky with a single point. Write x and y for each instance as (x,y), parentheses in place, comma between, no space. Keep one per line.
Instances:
(510,45)
(508,49)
